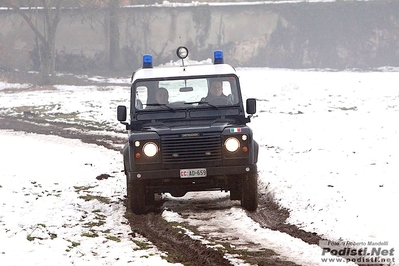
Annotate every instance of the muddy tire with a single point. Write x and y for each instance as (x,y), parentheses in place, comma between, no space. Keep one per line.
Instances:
(235,194)
(249,192)
(136,196)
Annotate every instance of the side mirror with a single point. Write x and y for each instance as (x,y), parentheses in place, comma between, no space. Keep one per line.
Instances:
(251,106)
(121,113)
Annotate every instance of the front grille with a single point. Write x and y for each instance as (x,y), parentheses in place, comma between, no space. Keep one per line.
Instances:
(189,148)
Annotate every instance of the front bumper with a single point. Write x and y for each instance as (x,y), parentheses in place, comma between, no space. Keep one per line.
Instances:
(211,172)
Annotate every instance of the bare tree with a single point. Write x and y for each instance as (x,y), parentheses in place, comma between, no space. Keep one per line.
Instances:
(110,22)
(114,47)
(43,17)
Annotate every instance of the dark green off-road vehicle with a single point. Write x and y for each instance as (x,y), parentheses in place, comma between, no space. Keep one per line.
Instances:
(188,132)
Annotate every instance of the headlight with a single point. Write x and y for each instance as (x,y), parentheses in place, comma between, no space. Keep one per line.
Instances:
(232,144)
(150,149)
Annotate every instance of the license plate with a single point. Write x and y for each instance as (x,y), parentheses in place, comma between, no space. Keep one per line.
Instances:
(188,173)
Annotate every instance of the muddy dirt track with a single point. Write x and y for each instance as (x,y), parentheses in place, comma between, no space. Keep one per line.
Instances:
(180,247)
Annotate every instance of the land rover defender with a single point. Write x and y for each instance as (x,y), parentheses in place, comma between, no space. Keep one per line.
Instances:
(188,132)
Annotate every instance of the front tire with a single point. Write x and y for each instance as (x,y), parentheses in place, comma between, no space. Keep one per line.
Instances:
(249,192)
(136,196)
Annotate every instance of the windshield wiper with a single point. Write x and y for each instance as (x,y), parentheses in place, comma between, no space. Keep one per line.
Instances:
(161,104)
(203,102)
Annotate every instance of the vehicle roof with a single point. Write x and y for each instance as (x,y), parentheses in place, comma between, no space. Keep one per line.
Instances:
(183,71)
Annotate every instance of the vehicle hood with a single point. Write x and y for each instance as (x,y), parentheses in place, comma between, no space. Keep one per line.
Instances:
(187,127)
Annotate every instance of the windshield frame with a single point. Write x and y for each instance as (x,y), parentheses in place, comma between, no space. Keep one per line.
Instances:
(176,110)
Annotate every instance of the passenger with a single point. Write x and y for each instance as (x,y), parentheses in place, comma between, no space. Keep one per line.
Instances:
(162,96)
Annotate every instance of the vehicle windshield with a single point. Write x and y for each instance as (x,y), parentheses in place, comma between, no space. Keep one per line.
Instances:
(172,94)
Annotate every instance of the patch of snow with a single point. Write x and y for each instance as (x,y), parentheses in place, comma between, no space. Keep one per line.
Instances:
(5,85)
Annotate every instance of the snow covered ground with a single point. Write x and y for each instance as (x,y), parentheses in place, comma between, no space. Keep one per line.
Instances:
(54,211)
(329,154)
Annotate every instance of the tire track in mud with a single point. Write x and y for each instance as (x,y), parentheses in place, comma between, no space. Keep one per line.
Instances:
(217,219)
(180,247)
(271,215)
(167,236)
(61,129)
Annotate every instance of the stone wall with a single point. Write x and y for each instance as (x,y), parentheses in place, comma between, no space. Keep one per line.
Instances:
(359,34)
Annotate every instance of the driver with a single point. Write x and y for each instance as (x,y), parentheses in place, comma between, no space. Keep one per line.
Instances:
(215,93)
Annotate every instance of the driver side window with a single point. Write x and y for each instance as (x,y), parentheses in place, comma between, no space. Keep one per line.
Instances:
(220,91)
(141,97)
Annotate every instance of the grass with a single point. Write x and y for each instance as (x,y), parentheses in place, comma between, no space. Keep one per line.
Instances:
(90,234)
(141,245)
(113,238)
(88,197)
(30,236)
(93,224)
(101,199)
(72,245)
(82,188)
(99,218)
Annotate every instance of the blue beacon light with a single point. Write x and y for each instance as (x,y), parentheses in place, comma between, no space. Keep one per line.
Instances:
(218,57)
(147,61)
